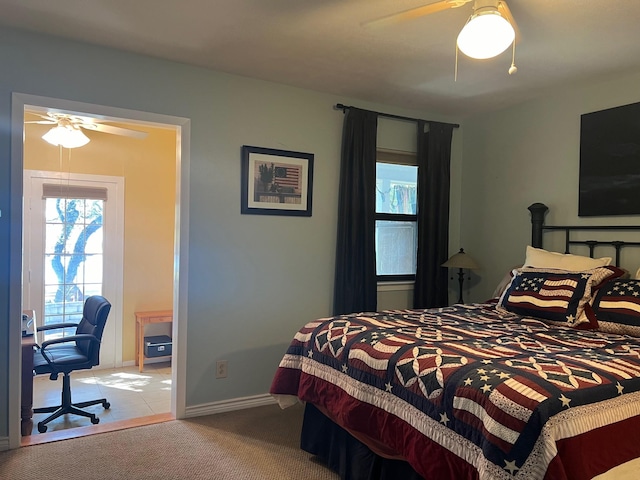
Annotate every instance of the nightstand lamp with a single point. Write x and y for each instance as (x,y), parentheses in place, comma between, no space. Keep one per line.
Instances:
(462,261)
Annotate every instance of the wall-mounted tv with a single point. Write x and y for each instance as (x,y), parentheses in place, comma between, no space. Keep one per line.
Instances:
(610,162)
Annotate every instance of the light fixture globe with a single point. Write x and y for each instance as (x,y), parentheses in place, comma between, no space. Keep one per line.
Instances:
(486,35)
(67,136)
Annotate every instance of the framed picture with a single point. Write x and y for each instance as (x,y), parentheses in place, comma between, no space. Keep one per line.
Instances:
(276,182)
(610,162)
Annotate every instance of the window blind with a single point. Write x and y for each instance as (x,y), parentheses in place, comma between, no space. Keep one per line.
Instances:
(57,190)
(396,156)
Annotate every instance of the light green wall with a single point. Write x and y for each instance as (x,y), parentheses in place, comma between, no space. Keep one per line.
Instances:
(525,154)
(253,280)
(395,298)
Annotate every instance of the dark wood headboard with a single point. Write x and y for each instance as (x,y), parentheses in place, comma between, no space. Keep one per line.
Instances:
(539,210)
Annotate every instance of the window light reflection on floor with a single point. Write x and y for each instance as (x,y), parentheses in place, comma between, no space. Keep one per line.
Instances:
(121,381)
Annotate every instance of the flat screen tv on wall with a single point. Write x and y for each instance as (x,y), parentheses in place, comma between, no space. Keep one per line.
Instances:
(610,162)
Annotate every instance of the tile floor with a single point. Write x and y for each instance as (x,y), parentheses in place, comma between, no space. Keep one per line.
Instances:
(132,394)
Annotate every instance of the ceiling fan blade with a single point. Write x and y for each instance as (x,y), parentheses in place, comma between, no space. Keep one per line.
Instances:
(42,122)
(416,12)
(101,127)
(504,10)
(47,118)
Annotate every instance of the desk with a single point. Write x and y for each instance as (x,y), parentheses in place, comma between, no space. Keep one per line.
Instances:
(145,318)
(26,400)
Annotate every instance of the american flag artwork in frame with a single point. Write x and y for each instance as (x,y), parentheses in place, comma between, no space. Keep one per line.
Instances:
(276,182)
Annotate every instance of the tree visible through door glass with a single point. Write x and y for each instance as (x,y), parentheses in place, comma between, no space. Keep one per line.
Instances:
(73,258)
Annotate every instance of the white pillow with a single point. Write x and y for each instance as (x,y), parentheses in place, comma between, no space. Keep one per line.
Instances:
(637,277)
(539,258)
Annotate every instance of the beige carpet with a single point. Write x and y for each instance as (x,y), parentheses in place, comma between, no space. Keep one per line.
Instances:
(259,443)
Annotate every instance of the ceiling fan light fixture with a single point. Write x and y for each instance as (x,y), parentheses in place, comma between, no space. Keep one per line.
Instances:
(66,136)
(486,34)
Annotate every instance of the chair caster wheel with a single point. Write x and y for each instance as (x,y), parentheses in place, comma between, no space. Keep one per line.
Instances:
(106,405)
(42,428)
(95,420)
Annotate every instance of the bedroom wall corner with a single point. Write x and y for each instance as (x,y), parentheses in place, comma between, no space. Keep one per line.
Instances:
(525,154)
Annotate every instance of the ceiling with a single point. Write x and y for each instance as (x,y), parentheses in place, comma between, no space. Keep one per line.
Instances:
(322,45)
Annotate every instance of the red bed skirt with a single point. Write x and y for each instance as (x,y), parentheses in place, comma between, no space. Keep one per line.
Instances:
(579,458)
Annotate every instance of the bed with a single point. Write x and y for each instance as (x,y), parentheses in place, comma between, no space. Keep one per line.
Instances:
(542,382)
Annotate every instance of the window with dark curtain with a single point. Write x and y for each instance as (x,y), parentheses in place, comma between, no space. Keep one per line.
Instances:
(434,159)
(355,288)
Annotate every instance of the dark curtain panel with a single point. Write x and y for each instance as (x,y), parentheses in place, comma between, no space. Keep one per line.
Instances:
(355,283)
(434,159)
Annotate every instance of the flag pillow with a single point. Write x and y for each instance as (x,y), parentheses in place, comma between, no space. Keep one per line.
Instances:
(617,307)
(554,295)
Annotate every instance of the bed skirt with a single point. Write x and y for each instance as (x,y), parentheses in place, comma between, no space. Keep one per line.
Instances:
(347,456)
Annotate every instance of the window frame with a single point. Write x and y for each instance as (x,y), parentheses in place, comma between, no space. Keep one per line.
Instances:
(398,157)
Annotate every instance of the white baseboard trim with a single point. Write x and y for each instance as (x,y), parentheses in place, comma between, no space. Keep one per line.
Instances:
(4,444)
(229,405)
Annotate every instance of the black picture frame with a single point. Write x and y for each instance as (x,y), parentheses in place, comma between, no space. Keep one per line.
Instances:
(610,162)
(276,182)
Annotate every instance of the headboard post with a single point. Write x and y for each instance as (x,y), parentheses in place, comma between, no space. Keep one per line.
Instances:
(538,211)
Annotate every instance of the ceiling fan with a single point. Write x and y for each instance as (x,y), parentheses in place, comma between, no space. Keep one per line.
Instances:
(67,131)
(489,31)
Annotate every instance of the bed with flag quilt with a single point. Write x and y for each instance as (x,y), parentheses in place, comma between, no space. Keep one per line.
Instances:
(472,391)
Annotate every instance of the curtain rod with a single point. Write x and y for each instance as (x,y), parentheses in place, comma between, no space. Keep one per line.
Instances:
(342,107)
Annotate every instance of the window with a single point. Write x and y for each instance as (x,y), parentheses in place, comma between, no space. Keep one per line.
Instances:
(73,255)
(396,216)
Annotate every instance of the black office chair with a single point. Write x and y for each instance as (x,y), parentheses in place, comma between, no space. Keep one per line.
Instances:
(76,352)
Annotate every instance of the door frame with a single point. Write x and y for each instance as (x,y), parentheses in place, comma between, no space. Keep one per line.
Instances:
(181,245)
(110,354)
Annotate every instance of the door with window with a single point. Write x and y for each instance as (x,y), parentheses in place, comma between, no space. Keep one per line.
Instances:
(73,249)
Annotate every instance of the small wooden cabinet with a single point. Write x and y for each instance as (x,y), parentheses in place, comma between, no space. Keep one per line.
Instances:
(143,319)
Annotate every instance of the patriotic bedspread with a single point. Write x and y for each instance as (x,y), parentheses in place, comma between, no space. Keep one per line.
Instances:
(495,389)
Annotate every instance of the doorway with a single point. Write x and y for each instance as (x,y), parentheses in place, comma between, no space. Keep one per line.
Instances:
(180,128)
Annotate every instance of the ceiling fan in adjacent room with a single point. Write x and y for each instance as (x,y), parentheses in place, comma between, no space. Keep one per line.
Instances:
(489,31)
(68,129)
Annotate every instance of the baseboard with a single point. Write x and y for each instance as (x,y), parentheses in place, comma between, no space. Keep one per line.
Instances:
(229,405)
(147,360)
(4,444)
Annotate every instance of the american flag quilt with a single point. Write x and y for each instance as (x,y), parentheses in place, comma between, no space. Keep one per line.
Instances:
(488,385)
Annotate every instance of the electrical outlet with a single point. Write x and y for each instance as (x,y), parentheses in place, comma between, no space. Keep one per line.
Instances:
(221,369)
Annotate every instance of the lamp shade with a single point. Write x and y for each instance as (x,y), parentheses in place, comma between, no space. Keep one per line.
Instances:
(486,34)
(461,260)
(66,136)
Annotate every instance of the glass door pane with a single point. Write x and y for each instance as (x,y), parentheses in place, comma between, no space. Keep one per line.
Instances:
(73,259)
